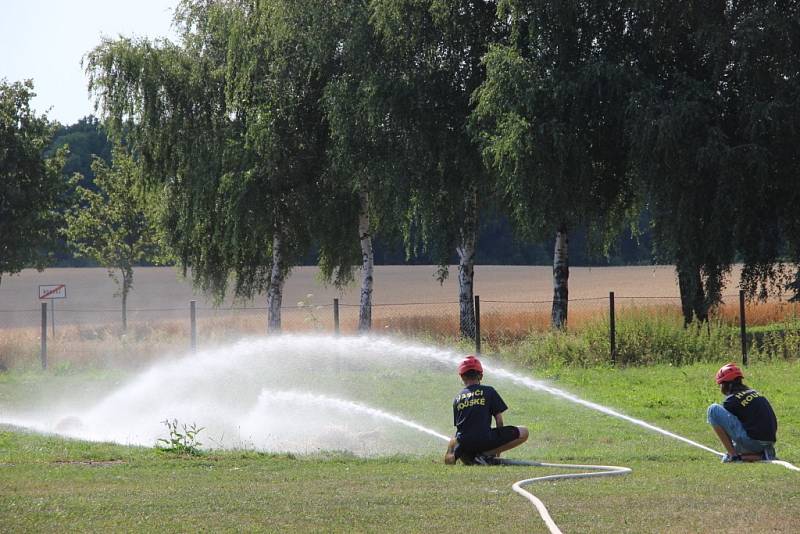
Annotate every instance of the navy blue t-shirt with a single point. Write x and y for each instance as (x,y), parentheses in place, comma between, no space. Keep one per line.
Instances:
(473,409)
(755,413)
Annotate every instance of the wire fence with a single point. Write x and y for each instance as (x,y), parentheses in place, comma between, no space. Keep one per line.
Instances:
(80,334)
(513,315)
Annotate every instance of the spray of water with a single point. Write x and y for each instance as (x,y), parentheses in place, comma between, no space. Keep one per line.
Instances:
(282,393)
(536,385)
(324,402)
(279,393)
(539,386)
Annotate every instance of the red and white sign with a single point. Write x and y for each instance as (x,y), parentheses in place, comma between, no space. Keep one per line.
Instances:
(58,291)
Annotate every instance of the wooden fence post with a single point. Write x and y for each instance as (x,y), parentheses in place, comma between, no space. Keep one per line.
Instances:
(336,316)
(44,335)
(193,322)
(612,328)
(743,327)
(477,324)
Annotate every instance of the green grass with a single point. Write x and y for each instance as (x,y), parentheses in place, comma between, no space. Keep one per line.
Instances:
(48,483)
(646,337)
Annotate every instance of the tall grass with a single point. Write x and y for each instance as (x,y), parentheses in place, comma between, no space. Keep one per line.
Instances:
(648,336)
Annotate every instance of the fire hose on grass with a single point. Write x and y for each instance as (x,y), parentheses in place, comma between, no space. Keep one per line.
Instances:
(595,471)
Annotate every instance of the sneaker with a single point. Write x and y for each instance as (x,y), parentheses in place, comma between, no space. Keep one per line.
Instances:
(467,459)
(728,458)
(485,459)
(768,454)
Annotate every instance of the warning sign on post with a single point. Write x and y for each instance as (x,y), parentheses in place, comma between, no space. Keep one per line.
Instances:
(58,291)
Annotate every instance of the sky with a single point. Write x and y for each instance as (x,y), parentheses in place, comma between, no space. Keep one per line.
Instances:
(44,40)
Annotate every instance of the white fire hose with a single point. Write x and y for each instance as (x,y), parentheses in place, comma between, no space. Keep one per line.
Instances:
(595,471)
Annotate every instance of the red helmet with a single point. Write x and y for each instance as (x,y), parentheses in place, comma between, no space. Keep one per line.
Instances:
(728,372)
(470,363)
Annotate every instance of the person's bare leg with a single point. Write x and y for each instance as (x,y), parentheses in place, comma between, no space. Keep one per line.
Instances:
(725,439)
(728,444)
(523,437)
(449,456)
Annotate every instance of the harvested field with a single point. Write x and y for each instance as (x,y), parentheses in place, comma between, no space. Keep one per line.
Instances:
(515,302)
(160,293)
(407,293)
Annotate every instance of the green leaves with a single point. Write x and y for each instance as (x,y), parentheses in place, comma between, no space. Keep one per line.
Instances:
(182,440)
(116,226)
(269,118)
(550,117)
(32,189)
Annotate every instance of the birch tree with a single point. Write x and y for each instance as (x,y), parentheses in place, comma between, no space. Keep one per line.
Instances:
(228,120)
(362,178)
(681,143)
(550,117)
(440,44)
(763,88)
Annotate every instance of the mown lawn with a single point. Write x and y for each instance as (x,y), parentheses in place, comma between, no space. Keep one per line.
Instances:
(53,484)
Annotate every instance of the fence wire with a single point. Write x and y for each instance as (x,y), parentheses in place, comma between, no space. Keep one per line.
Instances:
(76,334)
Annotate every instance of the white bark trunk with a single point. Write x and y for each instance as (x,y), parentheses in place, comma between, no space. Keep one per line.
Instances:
(560,279)
(466,276)
(127,284)
(466,265)
(367,264)
(276,281)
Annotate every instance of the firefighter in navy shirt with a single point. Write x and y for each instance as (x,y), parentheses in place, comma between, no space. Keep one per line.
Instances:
(476,442)
(745,422)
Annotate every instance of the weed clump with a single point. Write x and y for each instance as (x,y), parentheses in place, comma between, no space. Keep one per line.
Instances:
(181,441)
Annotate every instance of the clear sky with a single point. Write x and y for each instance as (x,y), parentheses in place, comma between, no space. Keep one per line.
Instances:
(44,40)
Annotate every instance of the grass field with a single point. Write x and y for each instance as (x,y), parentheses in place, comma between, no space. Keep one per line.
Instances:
(49,483)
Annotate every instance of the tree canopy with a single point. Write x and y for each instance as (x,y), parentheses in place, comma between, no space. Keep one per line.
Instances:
(551,119)
(275,127)
(32,188)
(86,139)
(115,225)
(229,121)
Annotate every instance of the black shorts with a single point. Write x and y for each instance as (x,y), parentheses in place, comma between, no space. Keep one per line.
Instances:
(496,437)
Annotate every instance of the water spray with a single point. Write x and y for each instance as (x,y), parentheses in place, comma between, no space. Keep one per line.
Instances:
(539,386)
(325,401)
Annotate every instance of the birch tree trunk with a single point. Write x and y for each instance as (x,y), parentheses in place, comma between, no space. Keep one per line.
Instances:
(466,275)
(367,263)
(466,267)
(700,302)
(560,279)
(127,283)
(276,281)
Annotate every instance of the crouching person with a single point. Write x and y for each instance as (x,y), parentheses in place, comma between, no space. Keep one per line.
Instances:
(476,442)
(745,422)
